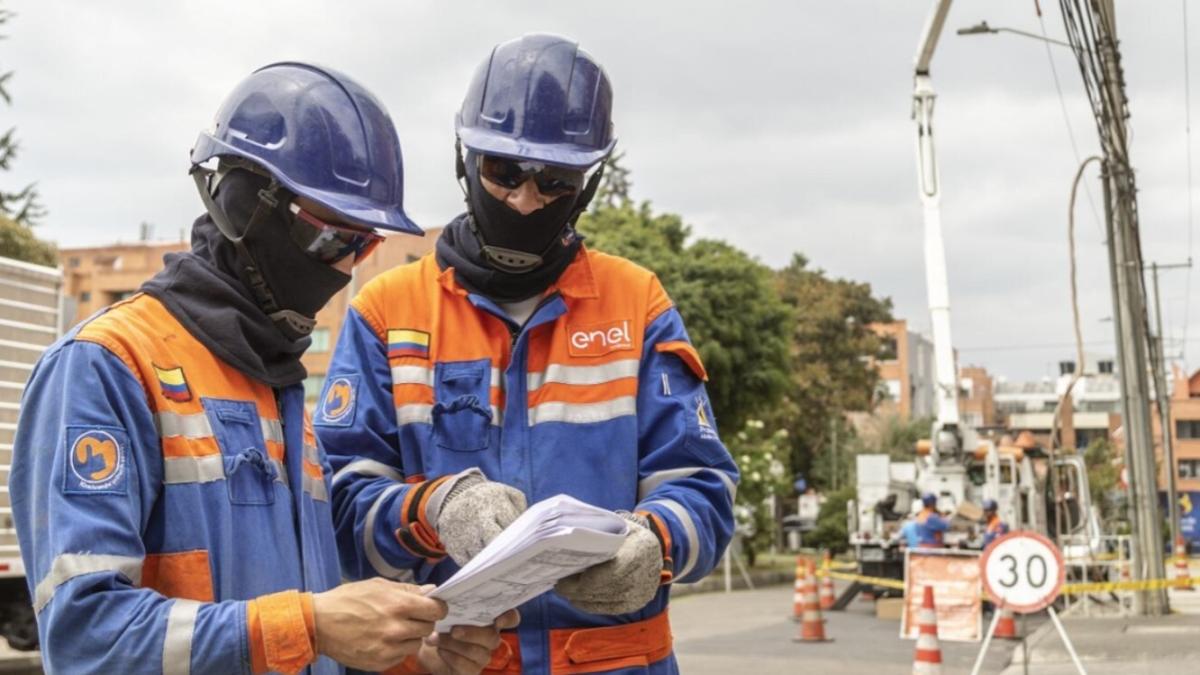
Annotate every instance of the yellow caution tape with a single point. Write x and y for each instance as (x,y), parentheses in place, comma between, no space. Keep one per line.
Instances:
(874,581)
(1067,589)
(1143,585)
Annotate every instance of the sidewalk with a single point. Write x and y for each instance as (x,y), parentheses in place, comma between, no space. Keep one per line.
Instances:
(1124,645)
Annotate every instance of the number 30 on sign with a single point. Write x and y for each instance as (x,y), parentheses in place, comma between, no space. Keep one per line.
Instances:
(1022,571)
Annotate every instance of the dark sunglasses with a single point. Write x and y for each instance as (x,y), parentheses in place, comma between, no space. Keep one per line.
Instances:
(330,242)
(551,180)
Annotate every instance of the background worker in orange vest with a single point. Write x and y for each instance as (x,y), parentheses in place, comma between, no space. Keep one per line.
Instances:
(171,500)
(930,524)
(993,527)
(516,364)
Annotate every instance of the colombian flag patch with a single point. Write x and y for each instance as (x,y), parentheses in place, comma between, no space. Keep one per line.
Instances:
(407,342)
(173,384)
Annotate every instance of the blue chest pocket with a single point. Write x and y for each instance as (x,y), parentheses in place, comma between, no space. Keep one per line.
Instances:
(249,472)
(462,415)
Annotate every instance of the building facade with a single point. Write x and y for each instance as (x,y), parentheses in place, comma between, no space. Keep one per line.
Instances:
(98,276)
(906,371)
(1185,423)
(977,403)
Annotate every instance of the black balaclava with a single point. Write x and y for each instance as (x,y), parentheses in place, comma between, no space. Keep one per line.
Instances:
(207,290)
(297,281)
(481,244)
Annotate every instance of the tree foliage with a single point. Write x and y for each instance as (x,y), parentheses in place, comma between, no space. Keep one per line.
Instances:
(726,298)
(18,241)
(761,456)
(831,346)
(22,206)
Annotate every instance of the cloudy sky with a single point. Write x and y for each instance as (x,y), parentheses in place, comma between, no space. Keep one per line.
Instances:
(780,126)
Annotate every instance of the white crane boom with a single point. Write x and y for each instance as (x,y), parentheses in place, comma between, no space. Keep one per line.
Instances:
(938,289)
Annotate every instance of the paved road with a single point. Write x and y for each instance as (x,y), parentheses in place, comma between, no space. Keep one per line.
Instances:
(750,633)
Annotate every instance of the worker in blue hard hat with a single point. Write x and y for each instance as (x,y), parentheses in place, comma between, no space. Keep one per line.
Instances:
(516,364)
(930,524)
(993,527)
(172,503)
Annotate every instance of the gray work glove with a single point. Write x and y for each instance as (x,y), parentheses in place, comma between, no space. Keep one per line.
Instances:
(624,584)
(468,511)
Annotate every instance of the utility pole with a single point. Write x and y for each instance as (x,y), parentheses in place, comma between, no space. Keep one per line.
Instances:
(1130,305)
(1164,404)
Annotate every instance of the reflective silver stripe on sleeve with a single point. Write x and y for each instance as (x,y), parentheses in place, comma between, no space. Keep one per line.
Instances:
(412,375)
(312,454)
(414,413)
(272,430)
(315,487)
(373,555)
(193,469)
(369,467)
(647,484)
(177,644)
(188,426)
(600,374)
(582,413)
(205,469)
(689,529)
(70,565)
(280,471)
(425,375)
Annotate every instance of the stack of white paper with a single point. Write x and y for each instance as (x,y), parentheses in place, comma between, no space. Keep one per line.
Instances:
(553,539)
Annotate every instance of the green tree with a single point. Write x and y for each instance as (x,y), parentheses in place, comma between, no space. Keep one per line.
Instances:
(732,312)
(761,456)
(615,184)
(1103,477)
(21,209)
(832,372)
(831,532)
(22,206)
(18,241)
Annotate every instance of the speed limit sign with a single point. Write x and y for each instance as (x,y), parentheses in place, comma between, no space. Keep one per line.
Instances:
(1023,571)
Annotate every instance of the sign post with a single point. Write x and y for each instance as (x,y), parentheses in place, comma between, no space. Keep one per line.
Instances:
(1023,572)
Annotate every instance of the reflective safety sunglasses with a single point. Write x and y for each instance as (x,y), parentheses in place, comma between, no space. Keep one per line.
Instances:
(330,242)
(551,180)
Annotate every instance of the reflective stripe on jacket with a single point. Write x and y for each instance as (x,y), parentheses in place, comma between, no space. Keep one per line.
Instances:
(599,395)
(155,491)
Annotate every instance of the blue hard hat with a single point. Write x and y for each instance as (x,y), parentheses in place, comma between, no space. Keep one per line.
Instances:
(539,97)
(321,135)
(990,505)
(929,499)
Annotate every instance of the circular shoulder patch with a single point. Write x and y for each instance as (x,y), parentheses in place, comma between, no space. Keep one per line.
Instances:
(97,460)
(339,400)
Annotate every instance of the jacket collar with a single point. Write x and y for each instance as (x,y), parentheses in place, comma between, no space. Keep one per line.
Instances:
(577,281)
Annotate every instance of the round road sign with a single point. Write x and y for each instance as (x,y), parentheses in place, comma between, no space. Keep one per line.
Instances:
(1022,571)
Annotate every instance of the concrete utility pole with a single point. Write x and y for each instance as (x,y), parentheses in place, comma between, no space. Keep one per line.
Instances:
(1164,404)
(1130,305)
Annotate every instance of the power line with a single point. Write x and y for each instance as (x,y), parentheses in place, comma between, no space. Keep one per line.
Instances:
(1062,103)
(1187,102)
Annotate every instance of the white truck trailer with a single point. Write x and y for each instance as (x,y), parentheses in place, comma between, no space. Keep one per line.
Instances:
(32,317)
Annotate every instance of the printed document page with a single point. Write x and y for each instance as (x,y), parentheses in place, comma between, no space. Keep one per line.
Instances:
(553,539)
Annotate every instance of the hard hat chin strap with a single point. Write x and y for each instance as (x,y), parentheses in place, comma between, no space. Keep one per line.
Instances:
(291,323)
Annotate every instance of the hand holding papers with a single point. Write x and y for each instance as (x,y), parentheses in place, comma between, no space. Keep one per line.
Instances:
(553,539)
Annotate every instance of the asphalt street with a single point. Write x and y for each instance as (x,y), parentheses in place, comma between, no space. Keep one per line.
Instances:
(750,632)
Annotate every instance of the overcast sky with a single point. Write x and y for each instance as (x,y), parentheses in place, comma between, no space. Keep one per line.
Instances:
(780,126)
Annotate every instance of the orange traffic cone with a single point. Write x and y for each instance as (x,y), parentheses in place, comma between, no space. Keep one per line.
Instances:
(798,588)
(927,660)
(1006,625)
(812,626)
(827,596)
(1182,573)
